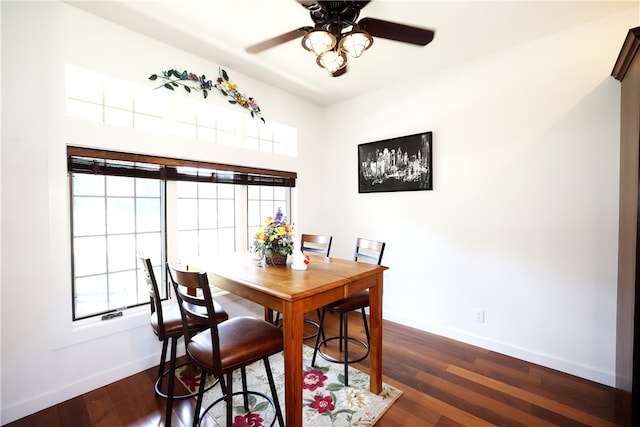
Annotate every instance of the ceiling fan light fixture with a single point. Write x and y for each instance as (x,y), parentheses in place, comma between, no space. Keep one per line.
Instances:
(318,41)
(338,28)
(356,42)
(332,61)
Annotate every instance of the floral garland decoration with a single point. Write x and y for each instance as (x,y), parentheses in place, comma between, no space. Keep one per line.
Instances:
(174,78)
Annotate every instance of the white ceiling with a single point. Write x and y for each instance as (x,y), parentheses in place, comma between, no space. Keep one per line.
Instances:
(220,30)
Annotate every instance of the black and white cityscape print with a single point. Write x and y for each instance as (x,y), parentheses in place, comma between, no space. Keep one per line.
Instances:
(396,164)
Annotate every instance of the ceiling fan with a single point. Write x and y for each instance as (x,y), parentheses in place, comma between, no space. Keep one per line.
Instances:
(337,33)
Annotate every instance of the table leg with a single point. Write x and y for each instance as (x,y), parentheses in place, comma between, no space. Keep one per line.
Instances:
(375,322)
(293,330)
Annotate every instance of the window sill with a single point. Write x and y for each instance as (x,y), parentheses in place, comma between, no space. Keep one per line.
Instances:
(89,329)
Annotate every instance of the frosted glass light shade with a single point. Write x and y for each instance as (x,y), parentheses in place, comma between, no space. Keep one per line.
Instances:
(332,61)
(355,43)
(318,41)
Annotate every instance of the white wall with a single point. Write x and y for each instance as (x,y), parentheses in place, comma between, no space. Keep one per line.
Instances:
(523,218)
(45,359)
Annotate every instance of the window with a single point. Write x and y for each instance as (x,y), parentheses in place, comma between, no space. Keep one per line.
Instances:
(91,96)
(100,98)
(119,201)
(206,218)
(263,202)
(114,218)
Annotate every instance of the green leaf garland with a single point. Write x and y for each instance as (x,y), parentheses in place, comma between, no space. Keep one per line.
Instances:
(173,78)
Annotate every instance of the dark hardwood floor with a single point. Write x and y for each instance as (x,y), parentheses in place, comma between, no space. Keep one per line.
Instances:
(445,383)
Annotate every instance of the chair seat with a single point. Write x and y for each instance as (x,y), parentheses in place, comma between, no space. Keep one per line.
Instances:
(352,302)
(243,340)
(172,320)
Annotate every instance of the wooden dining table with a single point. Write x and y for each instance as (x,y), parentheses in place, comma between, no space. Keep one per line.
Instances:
(296,292)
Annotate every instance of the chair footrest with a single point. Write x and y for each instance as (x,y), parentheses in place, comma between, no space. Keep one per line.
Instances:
(238,393)
(333,359)
(308,322)
(163,395)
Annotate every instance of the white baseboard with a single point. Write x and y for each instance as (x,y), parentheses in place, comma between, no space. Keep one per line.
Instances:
(549,361)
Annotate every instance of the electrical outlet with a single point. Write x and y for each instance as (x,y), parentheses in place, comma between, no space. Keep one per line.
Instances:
(479,315)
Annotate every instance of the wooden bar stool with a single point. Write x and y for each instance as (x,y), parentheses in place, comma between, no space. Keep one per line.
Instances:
(167,325)
(224,347)
(317,244)
(369,251)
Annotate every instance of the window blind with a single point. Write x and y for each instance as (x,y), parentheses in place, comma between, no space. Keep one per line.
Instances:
(104,162)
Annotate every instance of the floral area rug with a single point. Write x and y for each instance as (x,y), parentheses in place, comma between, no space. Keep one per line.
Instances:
(326,400)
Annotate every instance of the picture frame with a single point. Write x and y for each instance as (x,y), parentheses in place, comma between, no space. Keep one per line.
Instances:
(397,164)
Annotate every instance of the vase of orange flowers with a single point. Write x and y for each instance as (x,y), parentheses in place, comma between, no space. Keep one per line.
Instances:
(275,239)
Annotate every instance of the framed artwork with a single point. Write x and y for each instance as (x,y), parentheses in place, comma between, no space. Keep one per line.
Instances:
(396,164)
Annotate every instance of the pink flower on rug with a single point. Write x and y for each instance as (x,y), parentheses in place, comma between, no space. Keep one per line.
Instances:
(322,404)
(248,420)
(313,379)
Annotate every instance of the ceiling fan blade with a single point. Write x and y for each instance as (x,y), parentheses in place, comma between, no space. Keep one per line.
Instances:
(278,40)
(398,32)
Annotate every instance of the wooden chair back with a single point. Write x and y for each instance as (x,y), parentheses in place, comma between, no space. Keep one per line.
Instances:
(316,243)
(196,305)
(369,250)
(155,299)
